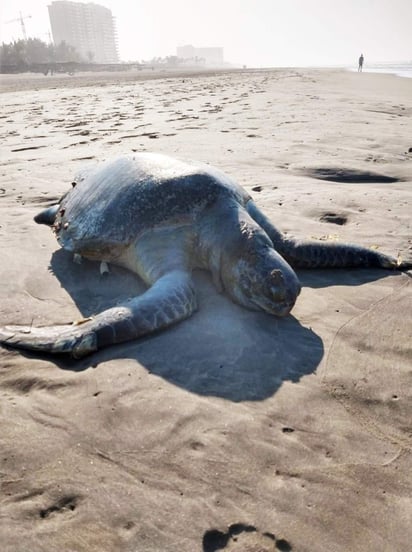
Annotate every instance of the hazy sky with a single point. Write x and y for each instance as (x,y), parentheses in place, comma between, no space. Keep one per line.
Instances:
(253,32)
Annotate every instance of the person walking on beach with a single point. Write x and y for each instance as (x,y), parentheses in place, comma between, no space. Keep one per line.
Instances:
(360,63)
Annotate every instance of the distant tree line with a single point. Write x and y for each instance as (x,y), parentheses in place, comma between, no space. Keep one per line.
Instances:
(24,53)
(35,55)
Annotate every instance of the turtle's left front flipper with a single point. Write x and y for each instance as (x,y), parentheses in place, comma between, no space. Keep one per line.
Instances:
(171,299)
(321,254)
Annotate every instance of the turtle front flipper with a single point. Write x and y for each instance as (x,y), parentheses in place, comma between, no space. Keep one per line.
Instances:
(318,254)
(321,254)
(171,299)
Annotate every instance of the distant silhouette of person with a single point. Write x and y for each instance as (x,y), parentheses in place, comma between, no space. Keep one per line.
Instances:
(360,63)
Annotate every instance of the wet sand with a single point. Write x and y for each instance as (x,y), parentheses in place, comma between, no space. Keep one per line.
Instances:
(232,430)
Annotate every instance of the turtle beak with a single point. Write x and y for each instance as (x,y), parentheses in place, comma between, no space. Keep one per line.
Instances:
(47,216)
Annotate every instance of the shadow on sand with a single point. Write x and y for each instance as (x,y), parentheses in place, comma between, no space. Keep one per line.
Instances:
(223,350)
(322,278)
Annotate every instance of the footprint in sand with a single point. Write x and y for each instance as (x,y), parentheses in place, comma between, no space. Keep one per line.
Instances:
(65,504)
(85,158)
(334,218)
(82,143)
(27,148)
(243,538)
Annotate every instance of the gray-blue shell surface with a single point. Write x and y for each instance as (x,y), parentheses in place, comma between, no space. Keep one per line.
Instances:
(112,203)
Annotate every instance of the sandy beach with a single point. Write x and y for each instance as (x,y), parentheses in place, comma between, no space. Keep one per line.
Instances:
(233,430)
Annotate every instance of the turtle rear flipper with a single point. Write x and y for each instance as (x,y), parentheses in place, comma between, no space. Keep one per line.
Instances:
(47,216)
(169,300)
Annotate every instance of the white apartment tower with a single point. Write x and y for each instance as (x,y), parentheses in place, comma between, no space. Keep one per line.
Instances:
(89,28)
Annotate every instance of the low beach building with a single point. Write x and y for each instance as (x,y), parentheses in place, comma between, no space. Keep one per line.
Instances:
(211,56)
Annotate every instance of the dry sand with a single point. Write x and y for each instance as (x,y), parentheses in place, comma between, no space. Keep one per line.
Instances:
(233,430)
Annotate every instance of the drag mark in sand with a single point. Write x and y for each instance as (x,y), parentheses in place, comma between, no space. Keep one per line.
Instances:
(24,385)
(376,409)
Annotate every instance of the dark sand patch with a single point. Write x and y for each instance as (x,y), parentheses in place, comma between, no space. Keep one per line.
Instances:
(344,175)
(334,218)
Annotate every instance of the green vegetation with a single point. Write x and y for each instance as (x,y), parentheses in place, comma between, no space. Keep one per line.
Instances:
(21,54)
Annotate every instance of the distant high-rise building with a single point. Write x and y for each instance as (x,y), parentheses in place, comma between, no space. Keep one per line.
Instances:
(89,28)
(212,56)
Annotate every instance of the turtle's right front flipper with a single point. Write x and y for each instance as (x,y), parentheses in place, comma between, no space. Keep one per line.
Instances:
(171,299)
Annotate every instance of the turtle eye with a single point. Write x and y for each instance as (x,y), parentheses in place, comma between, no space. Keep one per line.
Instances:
(276,277)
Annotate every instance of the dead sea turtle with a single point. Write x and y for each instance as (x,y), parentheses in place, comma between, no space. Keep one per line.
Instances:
(161,218)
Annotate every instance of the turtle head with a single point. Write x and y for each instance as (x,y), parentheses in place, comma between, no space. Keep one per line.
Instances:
(262,280)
